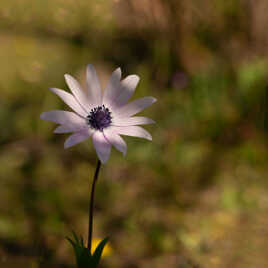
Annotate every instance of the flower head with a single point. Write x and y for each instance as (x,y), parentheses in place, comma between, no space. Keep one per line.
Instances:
(104,117)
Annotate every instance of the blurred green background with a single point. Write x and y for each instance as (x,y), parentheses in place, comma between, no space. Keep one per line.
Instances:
(197,196)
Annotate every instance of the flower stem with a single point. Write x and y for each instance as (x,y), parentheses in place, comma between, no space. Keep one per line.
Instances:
(91,206)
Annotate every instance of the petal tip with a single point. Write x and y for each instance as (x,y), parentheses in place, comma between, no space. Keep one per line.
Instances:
(151,121)
(56,130)
(118,70)
(149,136)
(133,79)
(52,89)
(67,76)
(90,67)
(66,145)
(124,151)
(136,77)
(42,116)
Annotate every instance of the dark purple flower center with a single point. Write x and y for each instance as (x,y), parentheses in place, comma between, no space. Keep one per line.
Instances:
(99,117)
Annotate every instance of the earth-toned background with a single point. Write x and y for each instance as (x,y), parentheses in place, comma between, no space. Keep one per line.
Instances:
(197,195)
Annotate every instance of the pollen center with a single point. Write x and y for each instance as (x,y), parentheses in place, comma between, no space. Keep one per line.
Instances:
(99,118)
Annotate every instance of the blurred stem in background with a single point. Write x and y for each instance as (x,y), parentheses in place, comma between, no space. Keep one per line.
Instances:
(91,206)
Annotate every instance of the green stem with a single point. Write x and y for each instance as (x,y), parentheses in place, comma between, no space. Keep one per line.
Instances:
(91,206)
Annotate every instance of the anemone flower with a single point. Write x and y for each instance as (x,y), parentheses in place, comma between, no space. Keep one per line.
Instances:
(102,116)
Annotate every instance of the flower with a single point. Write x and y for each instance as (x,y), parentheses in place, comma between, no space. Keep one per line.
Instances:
(104,117)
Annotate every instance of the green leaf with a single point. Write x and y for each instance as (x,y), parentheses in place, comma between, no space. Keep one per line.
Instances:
(82,254)
(98,252)
(84,259)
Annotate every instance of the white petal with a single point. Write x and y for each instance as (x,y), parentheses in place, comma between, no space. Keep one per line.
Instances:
(113,88)
(128,86)
(70,100)
(68,128)
(102,146)
(135,106)
(132,121)
(63,118)
(93,84)
(133,131)
(115,140)
(78,92)
(78,137)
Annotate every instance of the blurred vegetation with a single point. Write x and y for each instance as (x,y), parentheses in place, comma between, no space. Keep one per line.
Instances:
(194,197)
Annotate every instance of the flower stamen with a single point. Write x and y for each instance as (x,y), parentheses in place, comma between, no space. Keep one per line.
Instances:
(99,118)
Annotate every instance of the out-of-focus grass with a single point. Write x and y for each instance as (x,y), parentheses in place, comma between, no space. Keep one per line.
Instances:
(194,197)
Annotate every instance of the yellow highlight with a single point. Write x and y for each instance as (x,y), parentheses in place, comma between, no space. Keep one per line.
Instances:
(107,251)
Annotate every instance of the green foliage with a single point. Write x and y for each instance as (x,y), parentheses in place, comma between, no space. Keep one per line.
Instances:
(84,259)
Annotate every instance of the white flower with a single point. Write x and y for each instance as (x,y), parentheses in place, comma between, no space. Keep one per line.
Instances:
(103,116)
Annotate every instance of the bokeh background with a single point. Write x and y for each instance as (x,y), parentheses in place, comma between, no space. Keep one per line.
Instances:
(197,196)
